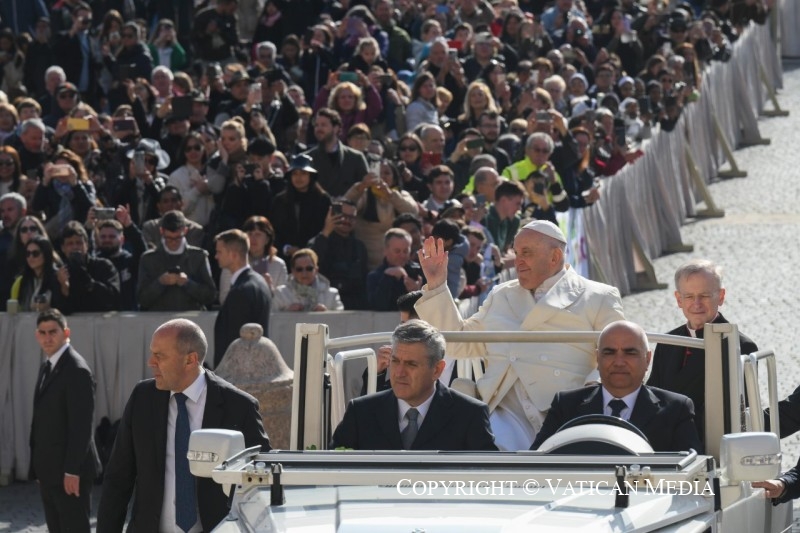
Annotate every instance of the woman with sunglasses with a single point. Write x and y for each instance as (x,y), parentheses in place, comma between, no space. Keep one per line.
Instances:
(409,162)
(37,289)
(27,228)
(307,289)
(10,170)
(190,179)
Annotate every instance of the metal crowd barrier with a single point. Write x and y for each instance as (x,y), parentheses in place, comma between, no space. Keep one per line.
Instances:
(644,205)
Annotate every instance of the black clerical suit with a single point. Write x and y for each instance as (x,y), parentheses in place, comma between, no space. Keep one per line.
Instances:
(665,418)
(453,422)
(61,441)
(137,463)
(683,370)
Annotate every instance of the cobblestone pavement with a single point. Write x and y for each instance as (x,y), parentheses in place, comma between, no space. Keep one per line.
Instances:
(757,242)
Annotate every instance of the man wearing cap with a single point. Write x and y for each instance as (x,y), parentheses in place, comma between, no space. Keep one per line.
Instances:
(548,295)
(177,128)
(67,99)
(140,190)
(175,276)
(169,199)
(235,96)
(198,120)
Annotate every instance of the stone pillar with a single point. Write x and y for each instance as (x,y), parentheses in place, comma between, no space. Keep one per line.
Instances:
(254,364)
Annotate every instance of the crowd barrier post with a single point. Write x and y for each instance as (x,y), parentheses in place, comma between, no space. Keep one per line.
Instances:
(646,279)
(777,111)
(711,210)
(734,171)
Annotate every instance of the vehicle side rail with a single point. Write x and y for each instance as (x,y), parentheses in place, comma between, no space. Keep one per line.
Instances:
(750,366)
(511,336)
(332,468)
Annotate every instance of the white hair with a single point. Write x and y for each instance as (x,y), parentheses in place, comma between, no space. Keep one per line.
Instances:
(165,70)
(16,197)
(55,69)
(32,123)
(267,45)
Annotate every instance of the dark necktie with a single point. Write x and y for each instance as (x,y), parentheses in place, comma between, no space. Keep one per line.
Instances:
(410,432)
(617,406)
(45,373)
(185,508)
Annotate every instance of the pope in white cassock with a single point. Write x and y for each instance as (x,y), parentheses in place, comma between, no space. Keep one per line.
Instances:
(522,378)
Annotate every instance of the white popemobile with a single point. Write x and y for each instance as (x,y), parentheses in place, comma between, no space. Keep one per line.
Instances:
(597,475)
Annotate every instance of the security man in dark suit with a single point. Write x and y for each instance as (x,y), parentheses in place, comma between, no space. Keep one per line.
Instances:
(149,454)
(699,293)
(249,299)
(666,418)
(418,413)
(63,454)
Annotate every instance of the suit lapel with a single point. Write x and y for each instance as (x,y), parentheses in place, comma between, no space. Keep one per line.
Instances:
(243,277)
(214,412)
(63,362)
(645,408)
(592,402)
(386,416)
(562,295)
(435,419)
(160,412)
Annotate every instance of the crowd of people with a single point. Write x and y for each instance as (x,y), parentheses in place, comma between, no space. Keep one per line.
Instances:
(320,155)
(338,135)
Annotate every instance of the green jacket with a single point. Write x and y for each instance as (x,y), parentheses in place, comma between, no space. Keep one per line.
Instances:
(177,59)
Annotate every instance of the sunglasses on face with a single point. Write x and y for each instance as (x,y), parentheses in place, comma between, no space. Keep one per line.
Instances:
(67,95)
(6,163)
(193,148)
(411,148)
(28,229)
(33,253)
(304,269)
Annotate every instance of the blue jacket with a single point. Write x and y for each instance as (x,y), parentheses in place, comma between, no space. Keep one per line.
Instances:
(21,15)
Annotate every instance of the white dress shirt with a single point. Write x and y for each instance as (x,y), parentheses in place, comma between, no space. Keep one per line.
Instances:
(196,406)
(403,407)
(630,401)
